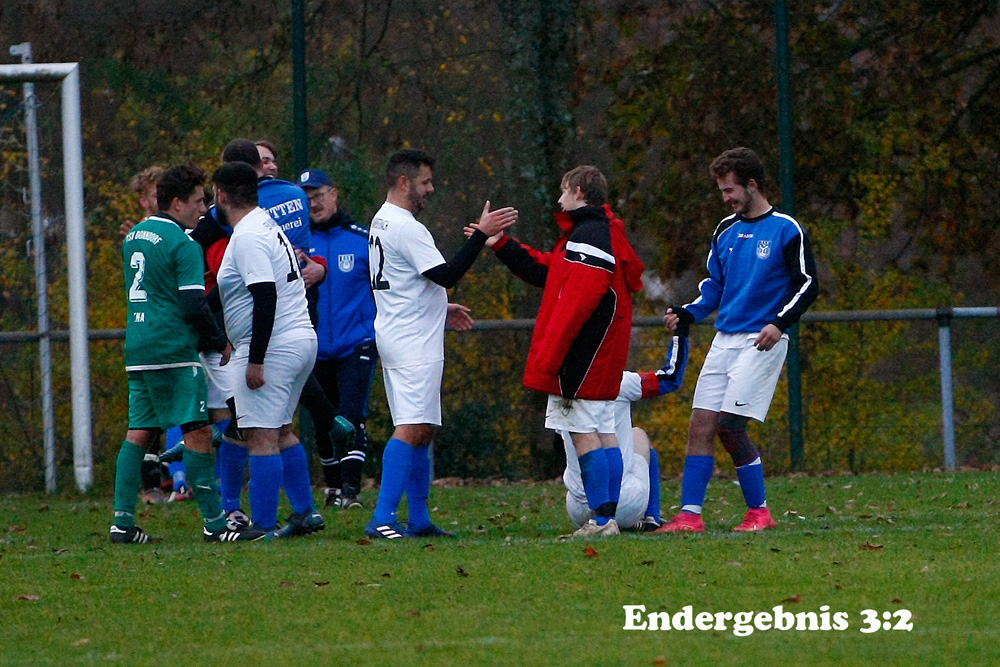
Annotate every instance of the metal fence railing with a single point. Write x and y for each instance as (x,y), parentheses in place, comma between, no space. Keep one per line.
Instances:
(944,319)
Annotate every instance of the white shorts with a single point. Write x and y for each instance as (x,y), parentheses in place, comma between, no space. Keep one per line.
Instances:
(631,505)
(414,393)
(221,380)
(738,378)
(579,415)
(287,366)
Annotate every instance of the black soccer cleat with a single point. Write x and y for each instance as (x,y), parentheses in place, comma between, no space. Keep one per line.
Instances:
(131,535)
(238,519)
(388,531)
(298,525)
(649,524)
(350,502)
(234,533)
(429,531)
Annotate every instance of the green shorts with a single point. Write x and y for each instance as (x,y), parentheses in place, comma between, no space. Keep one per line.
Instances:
(167,397)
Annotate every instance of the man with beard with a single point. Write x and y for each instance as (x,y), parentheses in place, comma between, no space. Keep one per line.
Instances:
(410,279)
(761,278)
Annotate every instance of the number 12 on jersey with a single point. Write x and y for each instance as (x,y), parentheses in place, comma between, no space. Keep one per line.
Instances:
(378,280)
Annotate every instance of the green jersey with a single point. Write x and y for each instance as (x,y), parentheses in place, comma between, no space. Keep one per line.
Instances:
(160,261)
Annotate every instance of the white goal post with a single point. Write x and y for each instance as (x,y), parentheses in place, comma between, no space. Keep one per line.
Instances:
(68,74)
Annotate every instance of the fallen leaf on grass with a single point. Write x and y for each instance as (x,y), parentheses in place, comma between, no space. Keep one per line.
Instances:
(776,550)
(794,598)
(321,584)
(59,552)
(839,587)
(897,601)
(412,612)
(76,576)
(429,547)
(363,542)
(647,562)
(868,546)
(461,571)
(962,505)
(30,597)
(386,575)
(81,642)
(659,660)
(286,584)
(590,552)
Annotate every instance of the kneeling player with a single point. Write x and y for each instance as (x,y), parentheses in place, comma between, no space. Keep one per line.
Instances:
(639,493)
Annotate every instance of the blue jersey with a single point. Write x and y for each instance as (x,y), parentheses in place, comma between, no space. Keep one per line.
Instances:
(346,304)
(760,271)
(288,205)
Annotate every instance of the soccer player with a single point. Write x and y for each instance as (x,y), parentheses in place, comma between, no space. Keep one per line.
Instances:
(268,161)
(580,344)
(168,322)
(154,489)
(288,205)
(761,278)
(639,502)
(264,304)
(410,279)
(345,361)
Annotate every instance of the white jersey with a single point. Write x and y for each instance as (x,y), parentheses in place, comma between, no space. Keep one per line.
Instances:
(631,390)
(410,309)
(259,252)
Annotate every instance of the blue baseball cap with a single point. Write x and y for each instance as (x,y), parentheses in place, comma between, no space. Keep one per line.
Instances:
(314,178)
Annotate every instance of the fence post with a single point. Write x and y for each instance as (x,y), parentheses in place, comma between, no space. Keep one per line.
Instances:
(944,317)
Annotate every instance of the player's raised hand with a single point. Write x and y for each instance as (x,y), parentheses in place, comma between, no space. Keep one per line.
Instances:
(494,223)
(459,317)
(678,321)
(767,338)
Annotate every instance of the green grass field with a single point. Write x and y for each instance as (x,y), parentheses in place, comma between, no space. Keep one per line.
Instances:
(507,591)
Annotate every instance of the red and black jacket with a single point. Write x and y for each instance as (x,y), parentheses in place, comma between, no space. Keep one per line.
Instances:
(580,345)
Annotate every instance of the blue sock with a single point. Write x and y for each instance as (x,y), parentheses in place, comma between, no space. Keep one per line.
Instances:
(616,470)
(594,471)
(231,464)
(697,472)
(218,428)
(178,473)
(177,470)
(295,477)
(653,508)
(418,488)
(396,462)
(266,473)
(174,435)
(751,478)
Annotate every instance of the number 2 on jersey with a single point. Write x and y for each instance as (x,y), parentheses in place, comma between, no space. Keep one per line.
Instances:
(378,281)
(135,293)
